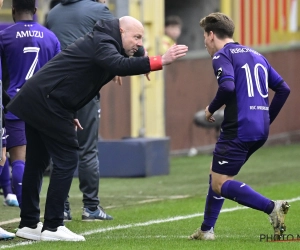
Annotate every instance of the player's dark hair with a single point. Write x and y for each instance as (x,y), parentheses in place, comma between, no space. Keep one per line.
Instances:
(24,5)
(173,20)
(218,23)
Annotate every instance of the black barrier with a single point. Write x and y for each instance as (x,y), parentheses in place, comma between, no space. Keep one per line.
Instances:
(134,157)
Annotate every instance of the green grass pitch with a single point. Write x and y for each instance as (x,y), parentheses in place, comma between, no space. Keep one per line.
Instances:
(161,212)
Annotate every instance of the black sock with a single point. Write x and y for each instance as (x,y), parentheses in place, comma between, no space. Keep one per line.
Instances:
(92,208)
(32,226)
(49,229)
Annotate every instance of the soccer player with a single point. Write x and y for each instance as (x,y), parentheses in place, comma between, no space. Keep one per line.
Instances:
(24,48)
(244,77)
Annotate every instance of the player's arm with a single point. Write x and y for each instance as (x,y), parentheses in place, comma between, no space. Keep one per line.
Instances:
(5,96)
(224,93)
(224,72)
(282,91)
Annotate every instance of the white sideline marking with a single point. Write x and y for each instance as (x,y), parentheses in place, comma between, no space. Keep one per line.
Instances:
(150,199)
(177,218)
(10,221)
(152,222)
(141,224)
(168,236)
(18,244)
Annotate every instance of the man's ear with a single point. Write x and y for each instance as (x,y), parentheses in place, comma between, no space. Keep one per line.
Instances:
(34,11)
(211,35)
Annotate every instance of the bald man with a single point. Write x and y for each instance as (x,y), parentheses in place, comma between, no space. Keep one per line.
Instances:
(70,80)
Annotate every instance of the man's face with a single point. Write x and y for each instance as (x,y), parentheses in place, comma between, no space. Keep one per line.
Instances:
(1,3)
(209,43)
(173,31)
(132,38)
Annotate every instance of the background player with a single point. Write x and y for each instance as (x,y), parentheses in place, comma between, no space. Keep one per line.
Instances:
(24,48)
(87,13)
(243,76)
(173,27)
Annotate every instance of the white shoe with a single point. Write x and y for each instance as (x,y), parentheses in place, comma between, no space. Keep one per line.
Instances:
(203,235)
(4,235)
(30,233)
(277,218)
(11,200)
(61,234)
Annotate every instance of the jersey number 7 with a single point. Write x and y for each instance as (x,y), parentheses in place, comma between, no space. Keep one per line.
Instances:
(35,61)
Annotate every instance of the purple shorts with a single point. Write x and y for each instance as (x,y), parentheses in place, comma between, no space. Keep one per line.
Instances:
(230,155)
(15,129)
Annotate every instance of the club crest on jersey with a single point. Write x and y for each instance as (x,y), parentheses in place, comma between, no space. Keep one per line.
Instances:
(219,72)
(30,33)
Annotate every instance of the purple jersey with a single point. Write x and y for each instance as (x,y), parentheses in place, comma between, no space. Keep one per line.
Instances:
(24,48)
(246,114)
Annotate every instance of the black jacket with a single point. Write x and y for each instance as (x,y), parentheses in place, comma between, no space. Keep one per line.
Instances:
(72,19)
(49,100)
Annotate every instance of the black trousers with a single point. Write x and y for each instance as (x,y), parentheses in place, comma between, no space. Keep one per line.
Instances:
(40,148)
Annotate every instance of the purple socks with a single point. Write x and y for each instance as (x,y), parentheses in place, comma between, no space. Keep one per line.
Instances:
(5,182)
(236,191)
(17,176)
(245,195)
(213,205)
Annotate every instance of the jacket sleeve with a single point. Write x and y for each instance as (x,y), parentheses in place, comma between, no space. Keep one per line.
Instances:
(103,12)
(108,57)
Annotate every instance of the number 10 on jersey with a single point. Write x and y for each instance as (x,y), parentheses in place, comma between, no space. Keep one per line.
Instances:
(257,81)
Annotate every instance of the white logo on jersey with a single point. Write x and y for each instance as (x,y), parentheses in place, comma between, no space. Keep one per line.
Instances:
(216,57)
(219,72)
(222,162)
(30,33)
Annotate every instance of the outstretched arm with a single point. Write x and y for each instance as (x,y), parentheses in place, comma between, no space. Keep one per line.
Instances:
(107,57)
